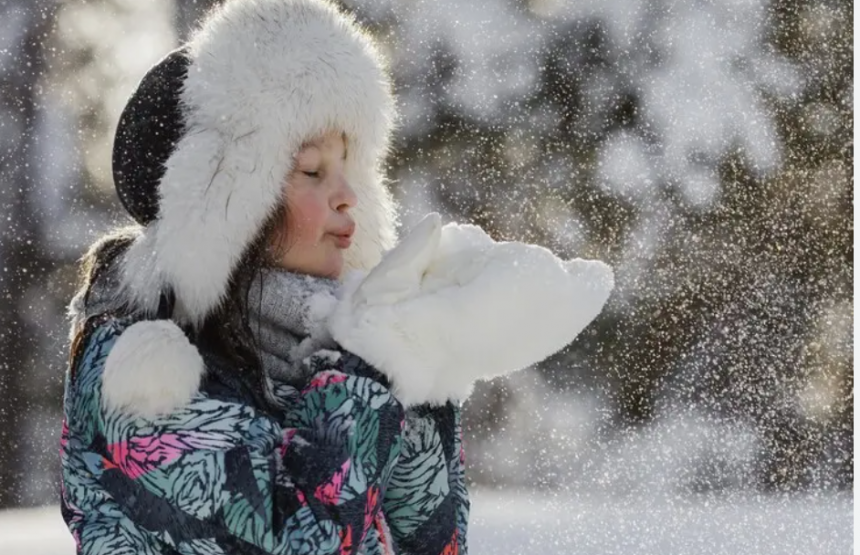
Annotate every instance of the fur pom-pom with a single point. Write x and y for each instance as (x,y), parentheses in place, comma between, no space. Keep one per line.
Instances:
(153,369)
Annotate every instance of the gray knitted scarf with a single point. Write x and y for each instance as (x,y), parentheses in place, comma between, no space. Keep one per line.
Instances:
(287,313)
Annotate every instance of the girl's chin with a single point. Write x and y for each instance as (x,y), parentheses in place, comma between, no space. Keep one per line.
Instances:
(329,267)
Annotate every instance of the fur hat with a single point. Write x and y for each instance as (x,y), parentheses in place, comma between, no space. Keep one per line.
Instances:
(203,147)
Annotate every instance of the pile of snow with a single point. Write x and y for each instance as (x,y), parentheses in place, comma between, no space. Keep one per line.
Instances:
(529,522)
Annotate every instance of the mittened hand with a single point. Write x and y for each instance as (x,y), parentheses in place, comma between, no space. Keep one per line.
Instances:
(449,305)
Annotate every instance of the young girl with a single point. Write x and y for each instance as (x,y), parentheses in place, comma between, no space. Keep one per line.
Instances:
(255,367)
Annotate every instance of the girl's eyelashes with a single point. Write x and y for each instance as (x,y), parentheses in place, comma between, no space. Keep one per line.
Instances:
(311,174)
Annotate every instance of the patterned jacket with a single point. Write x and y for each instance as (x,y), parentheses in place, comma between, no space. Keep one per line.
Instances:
(338,468)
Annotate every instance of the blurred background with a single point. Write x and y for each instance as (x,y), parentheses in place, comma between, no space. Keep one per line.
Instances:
(703,148)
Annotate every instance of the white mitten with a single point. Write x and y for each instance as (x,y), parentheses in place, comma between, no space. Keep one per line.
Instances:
(449,305)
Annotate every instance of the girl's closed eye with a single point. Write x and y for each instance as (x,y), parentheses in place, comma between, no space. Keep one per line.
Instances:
(311,174)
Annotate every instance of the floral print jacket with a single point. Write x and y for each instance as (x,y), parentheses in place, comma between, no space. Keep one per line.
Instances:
(339,468)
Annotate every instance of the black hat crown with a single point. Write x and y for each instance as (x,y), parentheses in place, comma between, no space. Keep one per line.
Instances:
(149,128)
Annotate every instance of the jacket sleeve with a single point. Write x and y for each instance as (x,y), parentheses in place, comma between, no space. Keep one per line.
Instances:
(218,474)
(426,503)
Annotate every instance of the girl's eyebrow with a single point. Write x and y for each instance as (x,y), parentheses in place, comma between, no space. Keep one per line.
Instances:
(315,144)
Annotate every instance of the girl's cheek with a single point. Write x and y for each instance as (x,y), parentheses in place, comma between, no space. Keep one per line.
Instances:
(317,213)
(309,207)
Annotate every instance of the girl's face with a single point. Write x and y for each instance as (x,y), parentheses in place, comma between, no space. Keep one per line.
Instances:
(317,228)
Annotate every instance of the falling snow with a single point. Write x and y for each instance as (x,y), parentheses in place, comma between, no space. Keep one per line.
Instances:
(703,148)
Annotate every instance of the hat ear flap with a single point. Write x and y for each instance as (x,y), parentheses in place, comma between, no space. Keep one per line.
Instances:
(151,370)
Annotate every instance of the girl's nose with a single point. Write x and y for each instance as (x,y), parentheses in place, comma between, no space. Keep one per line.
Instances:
(346,198)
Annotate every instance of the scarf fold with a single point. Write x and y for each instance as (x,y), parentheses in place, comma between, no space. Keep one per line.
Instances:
(287,313)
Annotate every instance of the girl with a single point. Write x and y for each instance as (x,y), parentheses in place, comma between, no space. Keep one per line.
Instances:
(248,372)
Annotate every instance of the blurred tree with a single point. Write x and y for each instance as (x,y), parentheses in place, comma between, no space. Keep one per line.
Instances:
(70,66)
(25,27)
(63,80)
(771,274)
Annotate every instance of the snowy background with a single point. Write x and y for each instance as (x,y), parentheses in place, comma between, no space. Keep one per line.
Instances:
(701,147)
(515,523)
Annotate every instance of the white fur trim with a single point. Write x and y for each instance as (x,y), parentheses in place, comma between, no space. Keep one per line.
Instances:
(264,76)
(151,370)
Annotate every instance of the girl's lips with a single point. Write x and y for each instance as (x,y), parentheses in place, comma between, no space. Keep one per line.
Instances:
(342,241)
